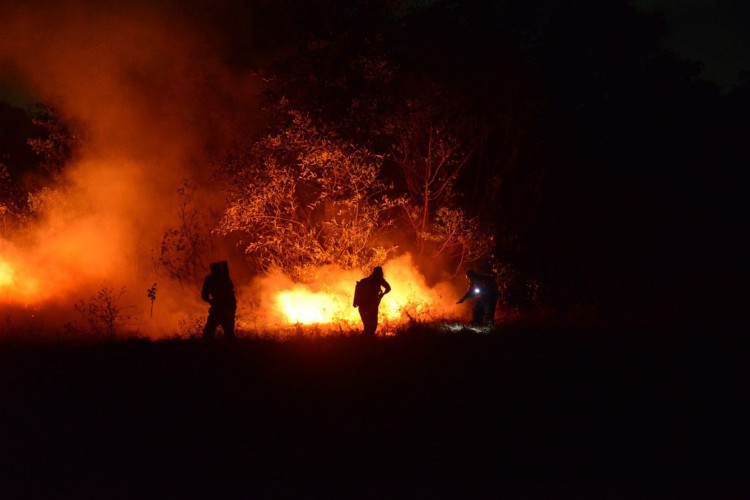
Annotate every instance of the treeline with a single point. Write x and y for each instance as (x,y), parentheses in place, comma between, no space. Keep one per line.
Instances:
(605,172)
(556,143)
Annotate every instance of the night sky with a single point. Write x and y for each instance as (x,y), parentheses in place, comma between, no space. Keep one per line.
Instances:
(714,32)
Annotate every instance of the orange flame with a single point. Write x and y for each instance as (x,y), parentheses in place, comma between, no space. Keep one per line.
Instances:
(328,300)
(6,274)
(15,287)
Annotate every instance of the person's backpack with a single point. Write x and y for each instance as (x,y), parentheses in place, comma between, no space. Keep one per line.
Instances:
(359,290)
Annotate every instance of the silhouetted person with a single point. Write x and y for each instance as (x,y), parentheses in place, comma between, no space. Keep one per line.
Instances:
(367,295)
(218,290)
(484,289)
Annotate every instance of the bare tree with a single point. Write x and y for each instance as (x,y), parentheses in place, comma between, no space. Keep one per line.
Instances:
(431,148)
(103,313)
(185,247)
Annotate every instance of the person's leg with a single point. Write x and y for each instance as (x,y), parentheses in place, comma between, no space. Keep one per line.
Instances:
(209,331)
(490,310)
(227,325)
(369,320)
(477,313)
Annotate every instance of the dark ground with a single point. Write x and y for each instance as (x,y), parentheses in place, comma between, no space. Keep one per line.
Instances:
(524,412)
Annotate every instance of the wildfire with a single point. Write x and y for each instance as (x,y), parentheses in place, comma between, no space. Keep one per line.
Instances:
(6,274)
(329,299)
(57,260)
(15,287)
(307,308)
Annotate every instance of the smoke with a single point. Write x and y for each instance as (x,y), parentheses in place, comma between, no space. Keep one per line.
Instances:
(148,84)
(149,90)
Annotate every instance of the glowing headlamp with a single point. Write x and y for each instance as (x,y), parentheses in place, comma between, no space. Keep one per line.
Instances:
(476,290)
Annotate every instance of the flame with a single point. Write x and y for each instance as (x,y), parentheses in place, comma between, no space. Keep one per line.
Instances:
(6,274)
(308,308)
(328,300)
(14,286)
(60,255)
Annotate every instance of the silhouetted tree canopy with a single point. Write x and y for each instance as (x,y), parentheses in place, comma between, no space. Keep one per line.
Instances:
(597,167)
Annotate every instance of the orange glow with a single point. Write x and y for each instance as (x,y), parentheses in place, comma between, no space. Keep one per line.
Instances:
(6,274)
(16,286)
(328,300)
(128,79)
(308,308)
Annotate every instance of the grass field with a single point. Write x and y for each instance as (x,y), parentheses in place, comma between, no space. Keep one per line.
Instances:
(520,412)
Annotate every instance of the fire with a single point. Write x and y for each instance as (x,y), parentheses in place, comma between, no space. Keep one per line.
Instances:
(329,299)
(6,274)
(307,308)
(14,286)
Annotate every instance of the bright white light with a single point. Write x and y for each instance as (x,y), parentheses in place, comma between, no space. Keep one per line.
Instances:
(476,290)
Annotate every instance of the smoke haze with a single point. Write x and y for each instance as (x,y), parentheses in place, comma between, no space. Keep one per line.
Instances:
(155,103)
(159,92)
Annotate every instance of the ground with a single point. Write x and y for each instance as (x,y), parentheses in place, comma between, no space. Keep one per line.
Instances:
(522,412)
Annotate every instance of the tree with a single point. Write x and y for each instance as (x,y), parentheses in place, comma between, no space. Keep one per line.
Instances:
(57,143)
(303,197)
(34,149)
(185,248)
(103,313)
(6,207)
(430,146)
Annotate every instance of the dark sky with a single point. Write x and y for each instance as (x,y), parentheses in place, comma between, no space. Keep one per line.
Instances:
(714,32)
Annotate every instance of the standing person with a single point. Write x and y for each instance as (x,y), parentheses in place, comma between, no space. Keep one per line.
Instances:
(218,290)
(367,295)
(484,289)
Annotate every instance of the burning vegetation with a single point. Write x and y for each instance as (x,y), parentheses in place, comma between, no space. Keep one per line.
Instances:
(141,142)
(311,206)
(327,300)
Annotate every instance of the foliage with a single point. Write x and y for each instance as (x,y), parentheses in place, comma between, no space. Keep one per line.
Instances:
(151,292)
(45,198)
(27,173)
(103,313)
(6,207)
(57,144)
(431,146)
(190,326)
(304,197)
(361,83)
(185,247)
(457,237)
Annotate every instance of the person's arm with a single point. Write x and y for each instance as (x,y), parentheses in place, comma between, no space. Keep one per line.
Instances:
(206,291)
(469,293)
(386,286)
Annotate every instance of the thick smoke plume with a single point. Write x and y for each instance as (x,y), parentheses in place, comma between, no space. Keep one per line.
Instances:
(150,90)
(155,103)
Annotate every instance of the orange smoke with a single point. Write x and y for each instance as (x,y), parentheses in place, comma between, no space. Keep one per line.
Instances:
(153,103)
